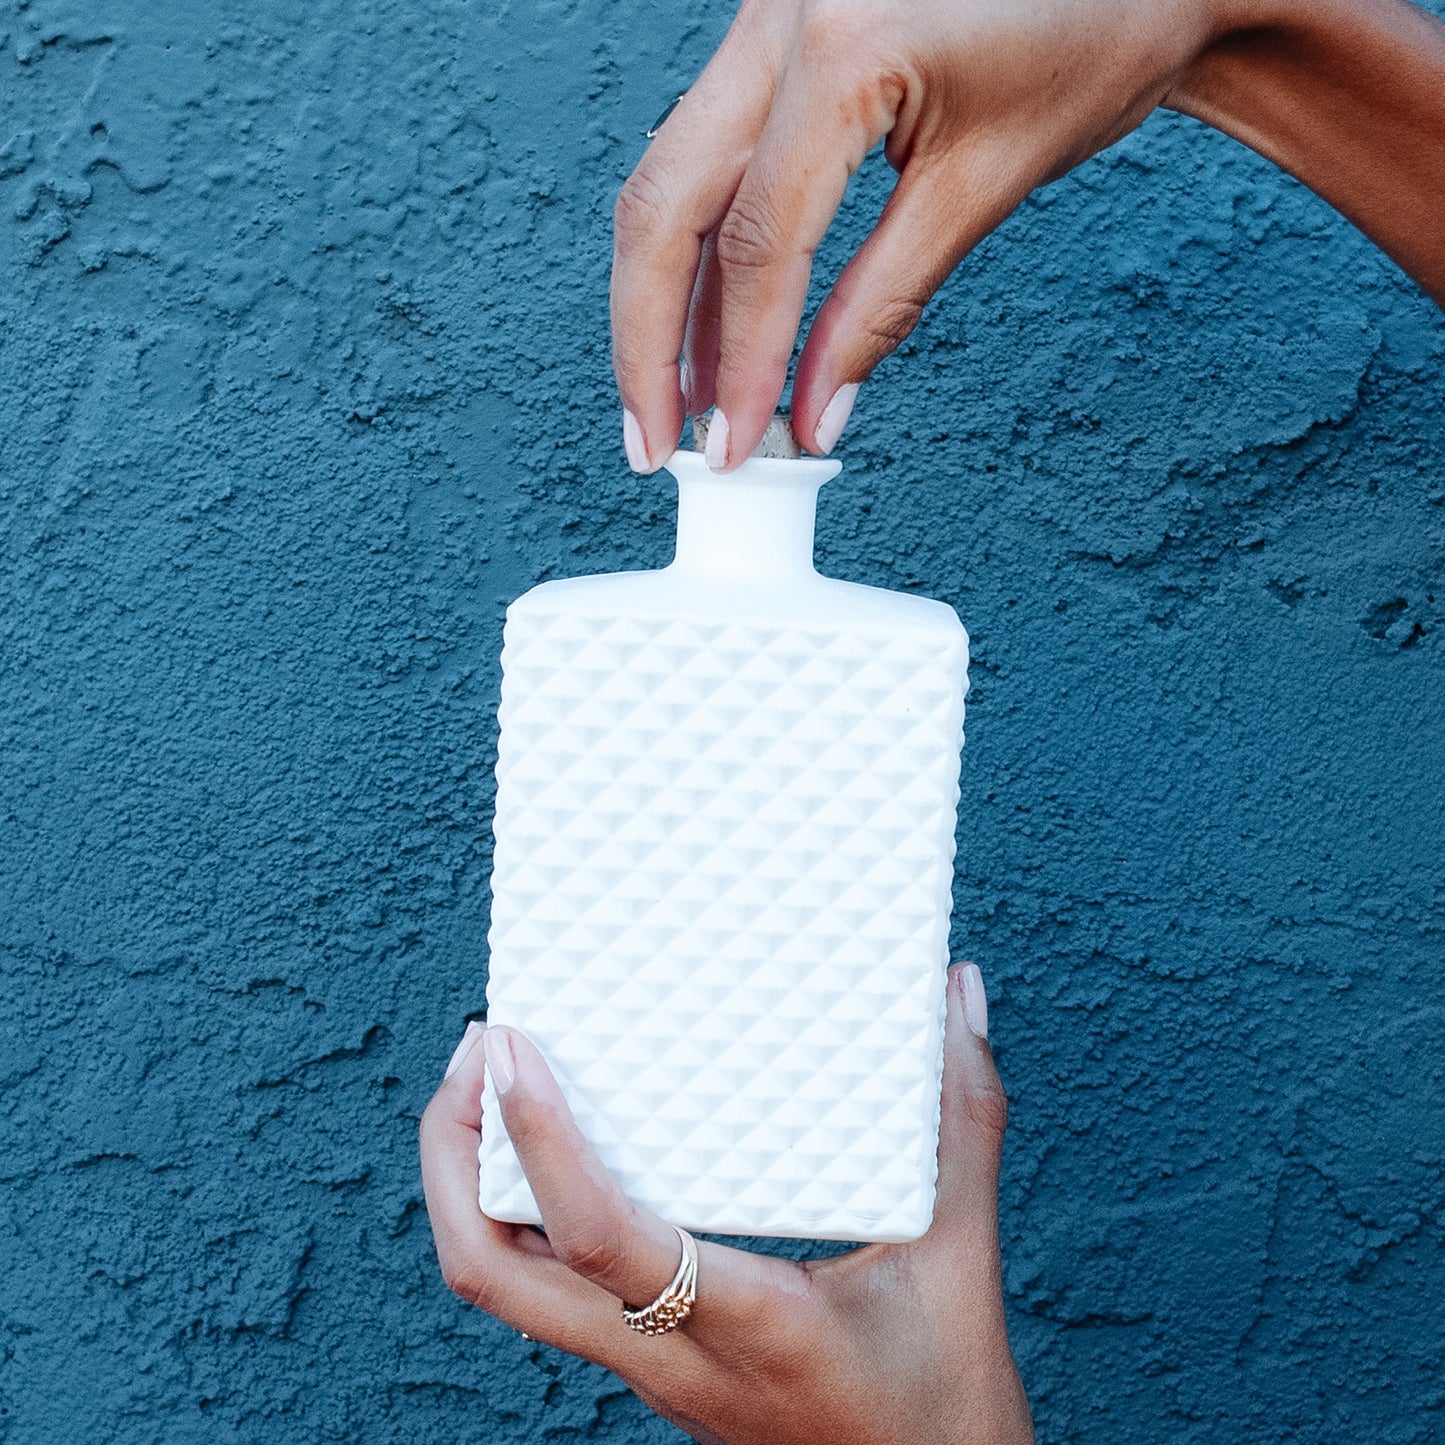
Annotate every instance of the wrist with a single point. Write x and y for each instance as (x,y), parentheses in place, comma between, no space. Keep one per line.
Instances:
(1346,95)
(1268,62)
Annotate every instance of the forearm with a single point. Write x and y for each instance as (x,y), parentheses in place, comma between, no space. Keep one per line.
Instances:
(1349,96)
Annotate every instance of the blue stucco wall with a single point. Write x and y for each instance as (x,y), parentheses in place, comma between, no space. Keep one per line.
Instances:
(304,374)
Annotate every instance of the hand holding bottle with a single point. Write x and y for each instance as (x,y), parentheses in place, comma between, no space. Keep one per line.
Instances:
(891,1343)
(980,101)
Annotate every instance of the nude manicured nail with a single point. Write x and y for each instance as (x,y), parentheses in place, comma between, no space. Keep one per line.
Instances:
(835,417)
(716,454)
(501,1063)
(975,1000)
(635,443)
(468,1043)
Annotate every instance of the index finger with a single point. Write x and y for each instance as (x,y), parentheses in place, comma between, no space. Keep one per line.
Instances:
(505,1269)
(831,108)
(596,1230)
(675,197)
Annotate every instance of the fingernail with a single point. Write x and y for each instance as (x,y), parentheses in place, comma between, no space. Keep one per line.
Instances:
(468,1043)
(835,417)
(684,384)
(975,1000)
(501,1064)
(716,454)
(635,443)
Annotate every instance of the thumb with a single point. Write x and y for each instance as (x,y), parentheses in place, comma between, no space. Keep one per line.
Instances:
(975,1108)
(934,217)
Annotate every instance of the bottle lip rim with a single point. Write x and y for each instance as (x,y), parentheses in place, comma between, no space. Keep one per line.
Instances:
(690,466)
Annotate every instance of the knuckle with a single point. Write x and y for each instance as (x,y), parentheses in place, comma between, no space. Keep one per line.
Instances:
(862,69)
(433,1121)
(594,1256)
(531,1133)
(747,240)
(466,1279)
(530,1125)
(641,210)
(888,327)
(989,1109)
(839,38)
(832,28)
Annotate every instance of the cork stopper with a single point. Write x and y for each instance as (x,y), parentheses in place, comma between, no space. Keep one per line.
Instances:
(778,440)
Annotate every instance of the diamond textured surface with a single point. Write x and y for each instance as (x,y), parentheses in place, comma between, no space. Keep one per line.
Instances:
(720,907)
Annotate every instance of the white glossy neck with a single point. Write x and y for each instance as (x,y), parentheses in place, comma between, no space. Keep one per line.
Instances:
(753,524)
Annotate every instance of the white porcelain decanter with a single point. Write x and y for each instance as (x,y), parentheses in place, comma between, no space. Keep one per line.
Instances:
(726,800)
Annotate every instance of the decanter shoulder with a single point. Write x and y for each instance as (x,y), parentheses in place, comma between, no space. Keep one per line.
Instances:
(813,601)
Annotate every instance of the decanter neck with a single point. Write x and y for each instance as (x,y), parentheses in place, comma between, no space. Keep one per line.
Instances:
(755,523)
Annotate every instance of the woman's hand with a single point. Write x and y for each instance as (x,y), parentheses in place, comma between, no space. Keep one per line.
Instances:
(891,1343)
(980,101)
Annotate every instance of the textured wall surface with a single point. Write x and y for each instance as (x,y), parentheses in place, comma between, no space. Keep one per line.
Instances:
(304,374)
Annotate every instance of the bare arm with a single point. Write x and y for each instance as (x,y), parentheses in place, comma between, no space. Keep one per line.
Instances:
(1349,96)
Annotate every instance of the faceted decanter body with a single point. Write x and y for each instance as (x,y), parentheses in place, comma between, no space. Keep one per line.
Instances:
(726,800)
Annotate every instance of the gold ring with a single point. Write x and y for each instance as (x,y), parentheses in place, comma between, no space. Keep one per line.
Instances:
(674,1305)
